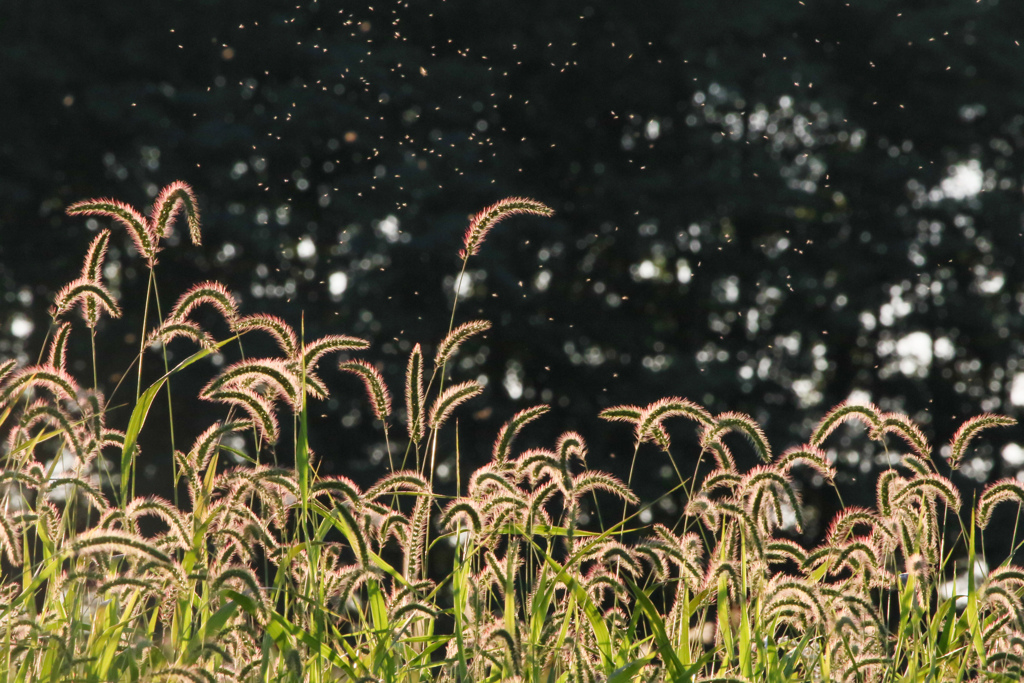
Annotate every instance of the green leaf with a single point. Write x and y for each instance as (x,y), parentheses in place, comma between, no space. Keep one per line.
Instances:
(302,455)
(141,410)
(460,581)
(350,534)
(211,628)
(626,672)
(280,629)
(131,434)
(675,668)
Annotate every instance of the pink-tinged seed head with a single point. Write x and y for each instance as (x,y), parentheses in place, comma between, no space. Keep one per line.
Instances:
(482,223)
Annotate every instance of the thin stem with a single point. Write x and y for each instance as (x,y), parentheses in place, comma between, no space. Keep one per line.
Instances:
(170,405)
(150,285)
(92,342)
(440,370)
(629,485)
(458,287)
(142,335)
(451,326)
(387,445)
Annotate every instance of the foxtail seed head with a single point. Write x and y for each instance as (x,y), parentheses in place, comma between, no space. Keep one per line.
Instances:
(377,391)
(168,203)
(489,217)
(139,228)
(414,395)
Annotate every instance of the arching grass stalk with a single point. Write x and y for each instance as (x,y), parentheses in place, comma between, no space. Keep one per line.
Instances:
(476,233)
(479,226)
(167,369)
(146,233)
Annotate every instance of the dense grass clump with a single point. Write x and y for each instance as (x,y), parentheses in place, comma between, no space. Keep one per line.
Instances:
(280,574)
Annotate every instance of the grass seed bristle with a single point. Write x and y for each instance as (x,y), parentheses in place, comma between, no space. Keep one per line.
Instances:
(483,222)
(171,200)
(376,390)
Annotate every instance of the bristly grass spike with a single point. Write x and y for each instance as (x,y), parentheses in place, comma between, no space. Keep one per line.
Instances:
(139,228)
(414,398)
(171,200)
(483,222)
(376,389)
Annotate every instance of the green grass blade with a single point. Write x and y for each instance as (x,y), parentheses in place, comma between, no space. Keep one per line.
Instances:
(668,654)
(280,630)
(211,628)
(131,435)
(627,672)
(972,598)
(460,581)
(141,411)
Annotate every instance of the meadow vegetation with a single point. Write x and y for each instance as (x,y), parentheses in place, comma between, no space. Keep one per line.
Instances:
(270,573)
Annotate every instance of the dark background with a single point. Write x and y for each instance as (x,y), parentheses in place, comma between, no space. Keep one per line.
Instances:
(761,206)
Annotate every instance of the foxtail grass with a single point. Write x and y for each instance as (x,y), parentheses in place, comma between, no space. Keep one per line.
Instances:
(271,573)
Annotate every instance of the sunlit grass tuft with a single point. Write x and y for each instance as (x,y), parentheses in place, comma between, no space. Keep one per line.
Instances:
(269,573)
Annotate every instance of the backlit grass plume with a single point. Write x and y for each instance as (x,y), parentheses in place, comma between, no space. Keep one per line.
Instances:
(376,390)
(92,268)
(213,293)
(139,228)
(88,290)
(171,200)
(92,296)
(456,337)
(449,399)
(483,222)
(969,429)
(414,395)
(147,232)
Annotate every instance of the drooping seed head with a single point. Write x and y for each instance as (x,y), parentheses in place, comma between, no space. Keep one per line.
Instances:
(482,223)
(57,357)
(594,480)
(213,293)
(733,421)
(271,372)
(868,413)
(449,399)
(460,334)
(92,296)
(996,493)
(56,381)
(92,268)
(807,455)
(651,418)
(931,486)
(186,328)
(169,203)
(503,444)
(277,328)
(380,397)
(259,409)
(904,427)
(969,429)
(313,351)
(139,229)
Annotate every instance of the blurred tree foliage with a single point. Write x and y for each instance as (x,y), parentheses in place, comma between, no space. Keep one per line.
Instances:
(766,207)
